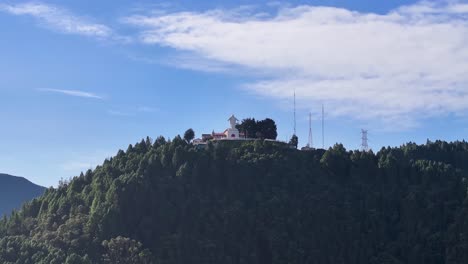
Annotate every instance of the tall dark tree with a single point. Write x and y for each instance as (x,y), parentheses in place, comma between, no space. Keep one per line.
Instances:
(267,128)
(189,135)
(294,141)
(249,127)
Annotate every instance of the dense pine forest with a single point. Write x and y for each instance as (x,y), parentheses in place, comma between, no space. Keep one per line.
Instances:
(169,202)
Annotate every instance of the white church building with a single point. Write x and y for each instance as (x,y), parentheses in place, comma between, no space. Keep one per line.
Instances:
(231,133)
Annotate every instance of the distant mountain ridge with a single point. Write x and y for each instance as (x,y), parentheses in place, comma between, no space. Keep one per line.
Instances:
(14,191)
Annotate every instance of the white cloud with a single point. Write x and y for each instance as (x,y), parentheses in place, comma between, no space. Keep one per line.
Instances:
(75,93)
(187,61)
(59,19)
(407,64)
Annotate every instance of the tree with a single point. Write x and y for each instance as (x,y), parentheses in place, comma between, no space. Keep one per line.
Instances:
(258,129)
(294,141)
(249,127)
(189,135)
(337,160)
(267,128)
(122,250)
(159,141)
(75,259)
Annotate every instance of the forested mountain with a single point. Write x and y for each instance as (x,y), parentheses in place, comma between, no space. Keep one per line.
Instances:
(253,202)
(14,191)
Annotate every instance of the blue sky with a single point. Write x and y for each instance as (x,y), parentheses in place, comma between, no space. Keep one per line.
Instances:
(81,79)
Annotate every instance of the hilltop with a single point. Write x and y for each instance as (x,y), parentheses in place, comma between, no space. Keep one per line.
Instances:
(14,191)
(251,202)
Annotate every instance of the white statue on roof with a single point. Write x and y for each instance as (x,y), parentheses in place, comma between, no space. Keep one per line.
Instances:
(233,120)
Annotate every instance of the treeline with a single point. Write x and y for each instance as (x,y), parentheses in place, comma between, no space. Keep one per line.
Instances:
(254,202)
(262,129)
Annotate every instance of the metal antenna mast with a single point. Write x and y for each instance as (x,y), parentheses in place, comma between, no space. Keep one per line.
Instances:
(364,144)
(323,127)
(310,144)
(294,111)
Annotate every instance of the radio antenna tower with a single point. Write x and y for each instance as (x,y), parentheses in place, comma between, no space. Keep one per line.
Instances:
(364,144)
(323,127)
(310,144)
(294,111)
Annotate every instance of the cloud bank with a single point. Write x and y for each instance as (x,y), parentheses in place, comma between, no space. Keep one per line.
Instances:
(407,64)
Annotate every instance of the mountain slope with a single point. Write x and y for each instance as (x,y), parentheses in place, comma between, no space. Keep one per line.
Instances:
(255,202)
(14,191)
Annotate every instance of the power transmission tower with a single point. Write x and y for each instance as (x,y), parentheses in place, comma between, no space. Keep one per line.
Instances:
(364,144)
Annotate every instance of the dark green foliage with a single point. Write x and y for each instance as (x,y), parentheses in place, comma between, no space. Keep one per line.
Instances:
(123,250)
(252,202)
(14,191)
(265,129)
(249,127)
(189,135)
(294,141)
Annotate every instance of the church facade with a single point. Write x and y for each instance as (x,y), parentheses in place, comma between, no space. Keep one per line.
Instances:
(231,133)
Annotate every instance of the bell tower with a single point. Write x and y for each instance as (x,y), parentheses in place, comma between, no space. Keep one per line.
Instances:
(232,132)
